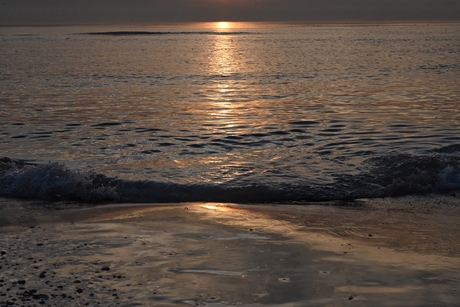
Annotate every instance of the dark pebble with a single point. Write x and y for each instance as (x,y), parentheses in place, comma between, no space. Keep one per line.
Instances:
(79,290)
(3,253)
(21,282)
(350,298)
(105,268)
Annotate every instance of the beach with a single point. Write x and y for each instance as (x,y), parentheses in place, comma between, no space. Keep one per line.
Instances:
(381,252)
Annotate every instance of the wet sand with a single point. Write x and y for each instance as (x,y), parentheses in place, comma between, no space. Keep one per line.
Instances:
(391,252)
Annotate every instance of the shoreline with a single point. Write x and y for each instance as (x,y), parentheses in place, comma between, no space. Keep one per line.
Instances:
(384,252)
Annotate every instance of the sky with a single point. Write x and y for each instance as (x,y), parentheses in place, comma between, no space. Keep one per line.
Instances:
(58,12)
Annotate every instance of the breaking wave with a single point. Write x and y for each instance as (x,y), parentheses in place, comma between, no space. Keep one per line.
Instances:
(383,176)
(53,181)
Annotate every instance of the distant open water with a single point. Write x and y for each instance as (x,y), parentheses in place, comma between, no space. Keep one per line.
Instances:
(260,113)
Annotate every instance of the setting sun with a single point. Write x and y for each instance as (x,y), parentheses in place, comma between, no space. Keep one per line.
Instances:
(223,25)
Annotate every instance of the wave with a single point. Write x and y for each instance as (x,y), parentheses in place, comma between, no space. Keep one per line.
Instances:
(53,181)
(383,176)
(156,33)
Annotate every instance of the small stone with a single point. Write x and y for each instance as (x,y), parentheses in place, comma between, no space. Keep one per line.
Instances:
(79,290)
(105,268)
(350,297)
(3,253)
(21,282)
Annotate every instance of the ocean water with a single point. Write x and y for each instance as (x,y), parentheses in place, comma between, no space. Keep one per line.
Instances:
(248,113)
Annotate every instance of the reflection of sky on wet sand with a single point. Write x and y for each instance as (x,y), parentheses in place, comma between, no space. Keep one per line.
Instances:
(376,266)
(308,255)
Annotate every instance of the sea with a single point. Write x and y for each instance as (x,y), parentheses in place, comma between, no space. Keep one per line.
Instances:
(229,112)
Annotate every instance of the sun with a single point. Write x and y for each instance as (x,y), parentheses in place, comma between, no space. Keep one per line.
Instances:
(222,25)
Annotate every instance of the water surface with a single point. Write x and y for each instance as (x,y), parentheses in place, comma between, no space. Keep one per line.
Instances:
(253,112)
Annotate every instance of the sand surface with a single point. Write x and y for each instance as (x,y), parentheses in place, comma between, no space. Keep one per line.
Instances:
(391,252)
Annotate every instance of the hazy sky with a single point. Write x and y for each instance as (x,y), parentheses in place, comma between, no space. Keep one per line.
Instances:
(20,12)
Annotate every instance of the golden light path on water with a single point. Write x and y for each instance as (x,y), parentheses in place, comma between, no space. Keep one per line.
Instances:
(226,108)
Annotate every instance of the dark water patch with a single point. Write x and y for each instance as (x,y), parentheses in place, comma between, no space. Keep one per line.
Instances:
(400,125)
(184,139)
(17,124)
(41,136)
(234,137)
(64,130)
(304,123)
(143,130)
(107,124)
(73,125)
(151,151)
(22,136)
(196,145)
